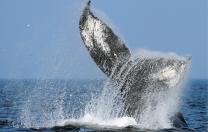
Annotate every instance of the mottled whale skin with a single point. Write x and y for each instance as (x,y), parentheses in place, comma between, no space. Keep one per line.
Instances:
(133,75)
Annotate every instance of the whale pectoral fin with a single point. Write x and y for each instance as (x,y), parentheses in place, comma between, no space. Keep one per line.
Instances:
(178,120)
(105,47)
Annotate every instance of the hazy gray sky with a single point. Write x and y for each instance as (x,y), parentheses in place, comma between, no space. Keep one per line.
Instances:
(40,38)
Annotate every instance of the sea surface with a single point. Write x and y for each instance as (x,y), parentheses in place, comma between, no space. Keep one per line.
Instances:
(42,105)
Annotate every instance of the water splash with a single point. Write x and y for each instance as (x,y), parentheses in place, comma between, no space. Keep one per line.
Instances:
(44,105)
(49,103)
(107,105)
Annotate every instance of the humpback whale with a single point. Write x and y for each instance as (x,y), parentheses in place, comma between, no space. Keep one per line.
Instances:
(134,75)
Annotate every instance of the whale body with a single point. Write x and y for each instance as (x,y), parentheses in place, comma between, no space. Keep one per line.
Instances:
(134,75)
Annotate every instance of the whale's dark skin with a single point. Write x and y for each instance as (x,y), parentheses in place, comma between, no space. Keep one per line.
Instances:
(132,75)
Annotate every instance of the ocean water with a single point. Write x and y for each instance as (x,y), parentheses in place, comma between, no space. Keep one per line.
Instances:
(57,105)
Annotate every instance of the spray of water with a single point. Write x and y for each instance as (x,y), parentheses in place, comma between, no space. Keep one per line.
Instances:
(46,104)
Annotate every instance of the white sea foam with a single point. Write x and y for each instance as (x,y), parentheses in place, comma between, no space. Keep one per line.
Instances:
(94,122)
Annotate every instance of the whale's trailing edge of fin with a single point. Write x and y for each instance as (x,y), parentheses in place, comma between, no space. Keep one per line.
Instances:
(105,47)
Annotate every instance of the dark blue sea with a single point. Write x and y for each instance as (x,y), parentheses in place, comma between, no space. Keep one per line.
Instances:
(33,105)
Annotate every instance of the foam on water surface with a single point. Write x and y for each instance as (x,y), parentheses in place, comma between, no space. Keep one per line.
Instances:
(93,122)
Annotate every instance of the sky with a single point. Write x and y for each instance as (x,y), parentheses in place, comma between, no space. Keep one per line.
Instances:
(40,38)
